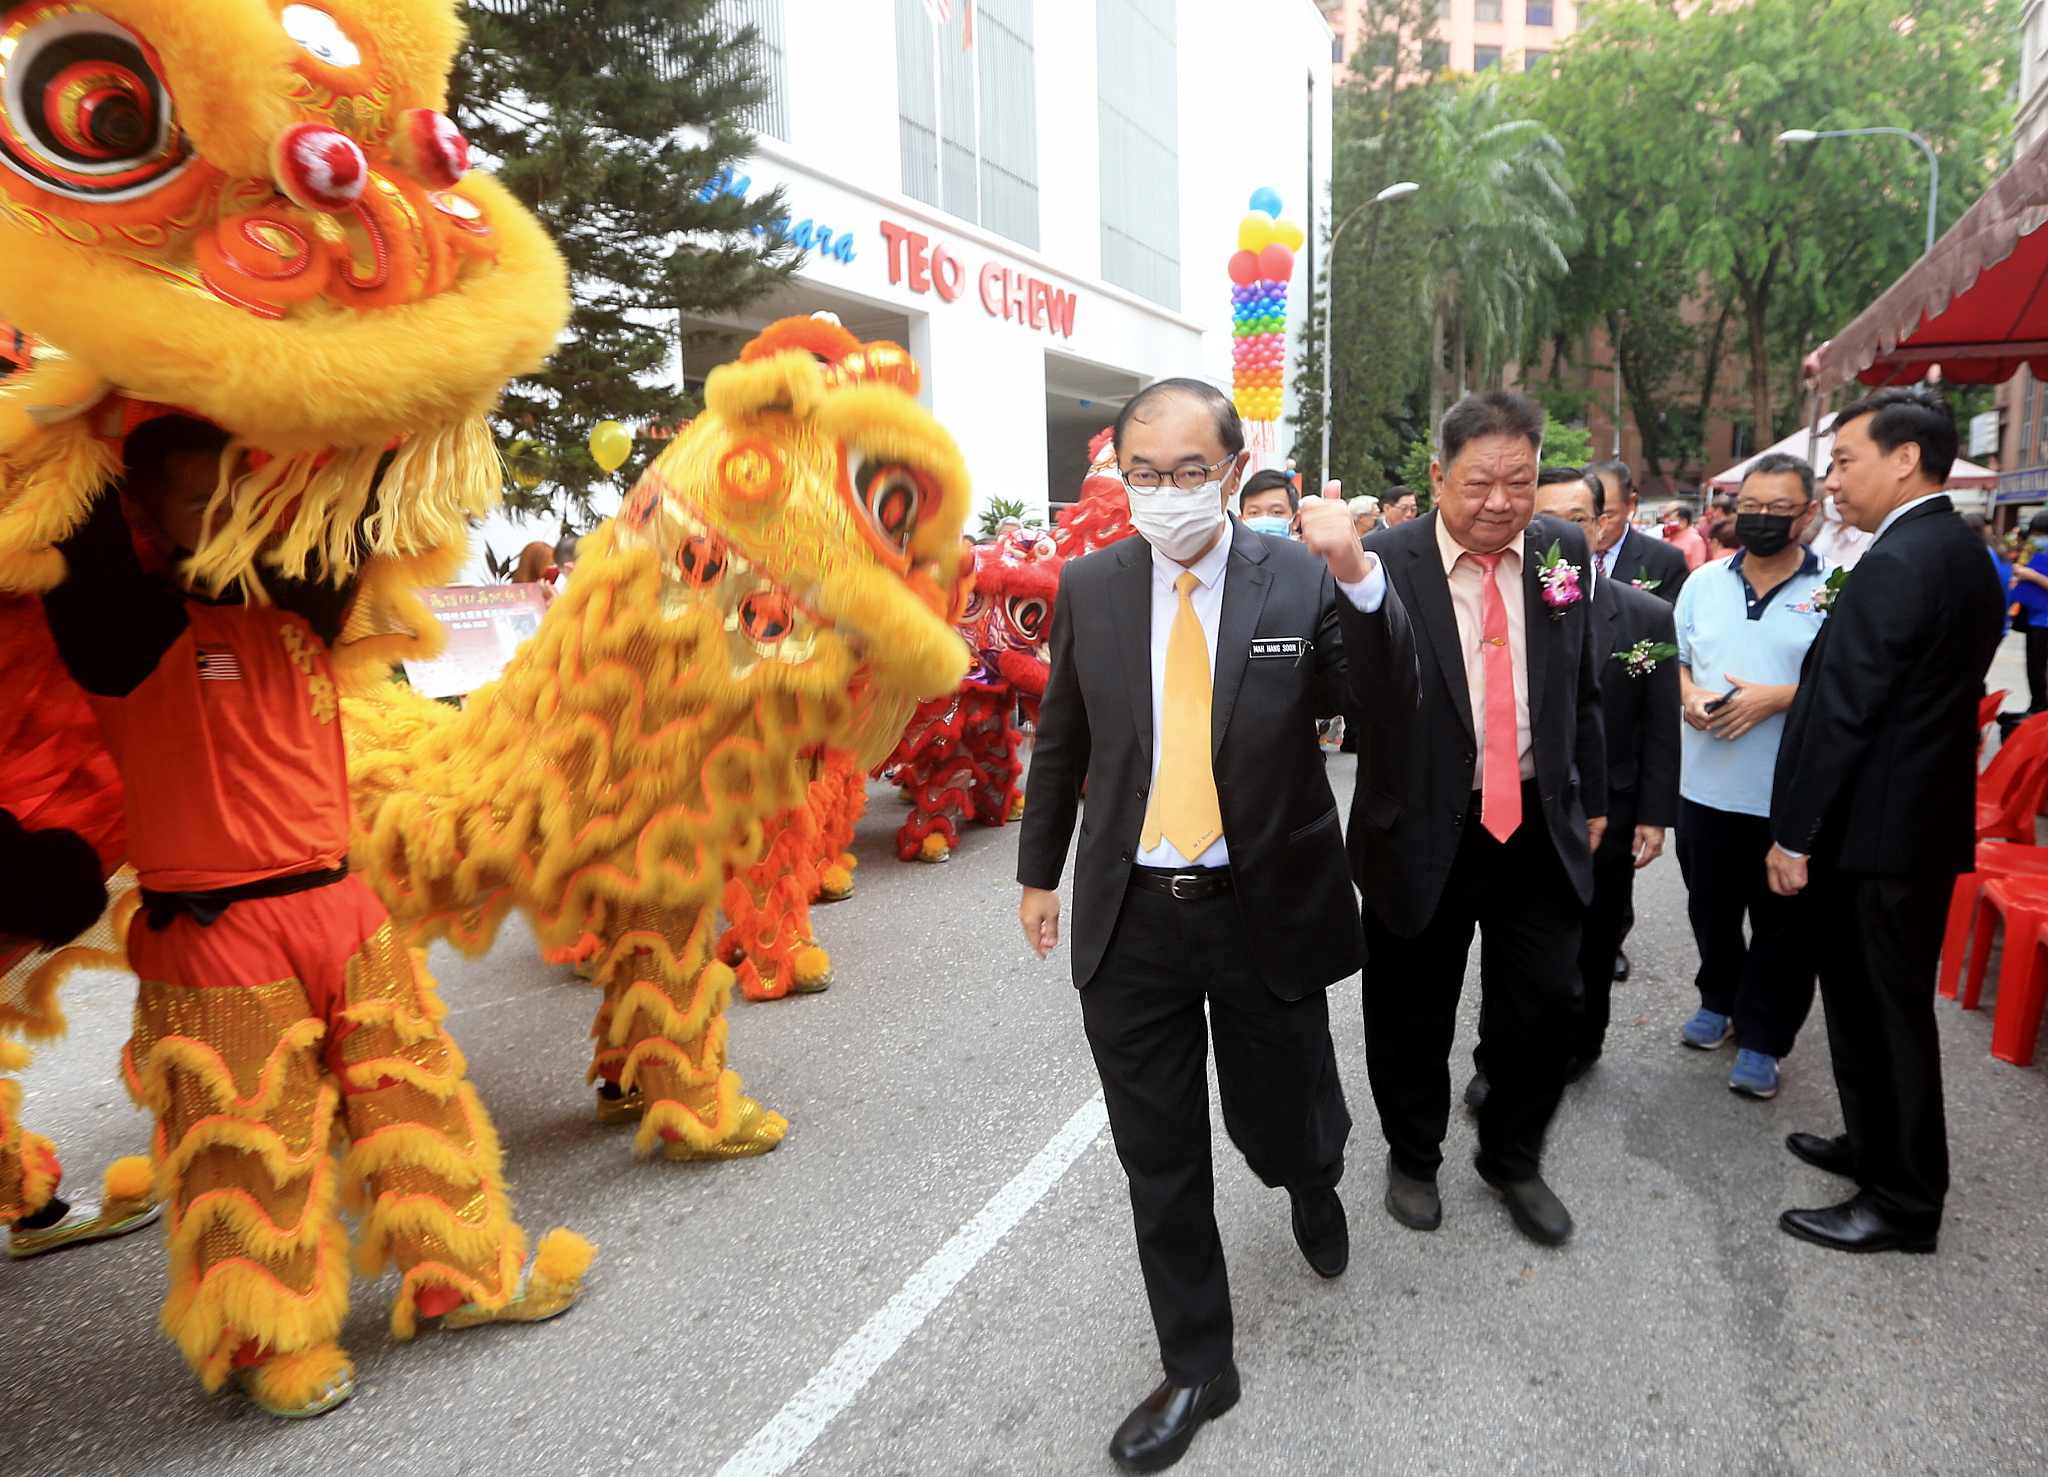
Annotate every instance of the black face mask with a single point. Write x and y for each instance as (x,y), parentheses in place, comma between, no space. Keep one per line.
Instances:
(1763,534)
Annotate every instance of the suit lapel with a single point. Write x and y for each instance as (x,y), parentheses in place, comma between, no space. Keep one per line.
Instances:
(1536,621)
(1246,582)
(1131,610)
(1435,615)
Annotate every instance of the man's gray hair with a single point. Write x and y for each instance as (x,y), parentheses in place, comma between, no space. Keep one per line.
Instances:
(1783,461)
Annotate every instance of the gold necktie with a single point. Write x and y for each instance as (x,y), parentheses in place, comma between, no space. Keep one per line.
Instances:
(1184,807)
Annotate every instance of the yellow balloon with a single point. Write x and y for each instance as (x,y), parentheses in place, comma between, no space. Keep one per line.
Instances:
(610,443)
(522,460)
(1288,234)
(1255,232)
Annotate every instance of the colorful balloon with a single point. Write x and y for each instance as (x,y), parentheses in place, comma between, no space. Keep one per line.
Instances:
(1276,262)
(1255,232)
(610,445)
(1244,267)
(1266,199)
(1288,234)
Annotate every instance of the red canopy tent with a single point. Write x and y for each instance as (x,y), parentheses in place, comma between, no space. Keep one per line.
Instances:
(1977,304)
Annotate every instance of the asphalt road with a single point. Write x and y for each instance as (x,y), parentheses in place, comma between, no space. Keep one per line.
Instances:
(1679,1332)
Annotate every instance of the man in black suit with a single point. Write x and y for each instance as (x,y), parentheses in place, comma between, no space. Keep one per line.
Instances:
(1189,667)
(1874,804)
(1627,555)
(1481,810)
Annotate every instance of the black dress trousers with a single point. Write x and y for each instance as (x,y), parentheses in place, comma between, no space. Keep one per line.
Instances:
(1276,1071)
(1607,921)
(1880,948)
(1765,981)
(1520,898)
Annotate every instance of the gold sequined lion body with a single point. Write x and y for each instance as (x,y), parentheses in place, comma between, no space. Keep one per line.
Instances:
(778,584)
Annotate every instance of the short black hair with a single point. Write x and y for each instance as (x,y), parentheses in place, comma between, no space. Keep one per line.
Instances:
(1917,413)
(154,442)
(1488,413)
(1683,512)
(1616,468)
(1229,429)
(1782,461)
(1395,494)
(1268,481)
(1556,476)
(2039,522)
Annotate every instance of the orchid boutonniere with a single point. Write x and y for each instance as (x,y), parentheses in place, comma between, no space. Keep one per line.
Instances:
(1561,590)
(1643,584)
(1642,658)
(1823,599)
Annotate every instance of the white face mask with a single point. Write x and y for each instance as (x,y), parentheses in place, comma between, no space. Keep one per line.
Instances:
(1177,522)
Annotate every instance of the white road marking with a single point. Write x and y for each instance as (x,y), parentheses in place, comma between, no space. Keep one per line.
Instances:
(777,1445)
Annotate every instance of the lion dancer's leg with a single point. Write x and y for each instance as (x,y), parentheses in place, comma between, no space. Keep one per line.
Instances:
(40,1220)
(839,797)
(992,740)
(661,1040)
(768,940)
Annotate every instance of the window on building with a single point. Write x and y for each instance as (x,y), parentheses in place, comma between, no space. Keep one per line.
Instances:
(1485,58)
(1136,105)
(1486,10)
(1535,61)
(1539,13)
(1009,119)
(1381,52)
(917,101)
(1436,55)
(769,115)
(2026,427)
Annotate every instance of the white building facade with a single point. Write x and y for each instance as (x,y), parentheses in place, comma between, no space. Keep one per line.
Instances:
(1037,198)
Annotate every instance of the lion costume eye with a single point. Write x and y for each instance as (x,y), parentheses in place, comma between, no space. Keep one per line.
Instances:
(1027,615)
(320,36)
(891,495)
(84,112)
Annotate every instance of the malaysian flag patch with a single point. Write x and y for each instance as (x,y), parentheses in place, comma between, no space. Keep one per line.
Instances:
(219,664)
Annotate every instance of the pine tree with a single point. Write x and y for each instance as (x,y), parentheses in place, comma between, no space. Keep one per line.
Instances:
(619,124)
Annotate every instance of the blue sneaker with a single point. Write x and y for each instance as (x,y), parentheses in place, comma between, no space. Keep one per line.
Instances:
(1755,1074)
(1707,1031)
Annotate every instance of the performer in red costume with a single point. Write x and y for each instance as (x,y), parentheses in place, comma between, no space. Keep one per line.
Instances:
(273,987)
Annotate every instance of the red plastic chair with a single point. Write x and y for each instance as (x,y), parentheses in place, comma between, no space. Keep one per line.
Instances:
(2007,814)
(2021,905)
(1995,859)
(2021,745)
(1986,711)
(2022,991)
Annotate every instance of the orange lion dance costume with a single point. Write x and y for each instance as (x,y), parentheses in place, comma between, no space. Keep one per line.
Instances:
(259,218)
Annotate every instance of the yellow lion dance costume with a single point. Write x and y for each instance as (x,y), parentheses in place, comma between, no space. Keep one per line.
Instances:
(779,584)
(259,215)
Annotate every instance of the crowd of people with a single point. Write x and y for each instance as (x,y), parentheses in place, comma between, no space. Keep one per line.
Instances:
(1540,694)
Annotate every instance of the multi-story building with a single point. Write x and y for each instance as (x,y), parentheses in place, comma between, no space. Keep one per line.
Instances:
(1038,198)
(1471,35)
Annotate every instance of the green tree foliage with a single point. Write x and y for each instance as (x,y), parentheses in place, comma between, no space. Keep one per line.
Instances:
(608,119)
(1713,238)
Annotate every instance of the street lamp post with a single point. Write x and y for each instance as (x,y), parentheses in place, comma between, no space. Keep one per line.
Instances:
(1391,192)
(1808,135)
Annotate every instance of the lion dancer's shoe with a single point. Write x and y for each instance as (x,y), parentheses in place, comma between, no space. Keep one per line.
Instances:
(128,1204)
(838,799)
(248,1081)
(661,1034)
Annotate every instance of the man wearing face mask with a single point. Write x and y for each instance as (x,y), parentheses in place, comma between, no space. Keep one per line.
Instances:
(1268,502)
(1188,669)
(1744,625)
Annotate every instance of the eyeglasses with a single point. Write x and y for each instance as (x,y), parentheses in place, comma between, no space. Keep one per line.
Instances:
(1187,479)
(1774,510)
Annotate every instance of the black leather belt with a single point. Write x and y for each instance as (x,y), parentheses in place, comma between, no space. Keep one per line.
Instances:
(1187,884)
(164,907)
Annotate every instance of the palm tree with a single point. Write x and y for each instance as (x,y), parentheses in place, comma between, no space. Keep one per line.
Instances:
(1500,218)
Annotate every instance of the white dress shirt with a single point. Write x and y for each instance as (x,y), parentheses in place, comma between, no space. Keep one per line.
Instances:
(1606,561)
(1207,599)
(1468,591)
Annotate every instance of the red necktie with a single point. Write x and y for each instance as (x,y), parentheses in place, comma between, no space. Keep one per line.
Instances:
(1500,790)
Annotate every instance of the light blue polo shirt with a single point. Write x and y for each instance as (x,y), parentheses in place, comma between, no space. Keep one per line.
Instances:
(1724,627)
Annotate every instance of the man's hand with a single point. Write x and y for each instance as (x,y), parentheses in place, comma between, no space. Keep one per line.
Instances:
(1649,844)
(1747,705)
(1040,915)
(1326,529)
(1787,873)
(1596,827)
(1696,701)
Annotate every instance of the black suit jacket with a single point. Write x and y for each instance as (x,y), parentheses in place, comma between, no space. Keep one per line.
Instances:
(1415,773)
(1641,713)
(1643,560)
(1279,816)
(1877,771)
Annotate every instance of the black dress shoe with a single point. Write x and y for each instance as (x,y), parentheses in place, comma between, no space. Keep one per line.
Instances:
(1476,1091)
(1157,1434)
(1829,1154)
(1321,1231)
(1620,966)
(1534,1208)
(1852,1226)
(1413,1202)
(1579,1066)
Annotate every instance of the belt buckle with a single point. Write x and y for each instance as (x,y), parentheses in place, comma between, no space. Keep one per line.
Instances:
(1173,884)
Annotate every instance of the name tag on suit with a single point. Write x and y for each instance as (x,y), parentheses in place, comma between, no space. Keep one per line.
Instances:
(1279,646)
